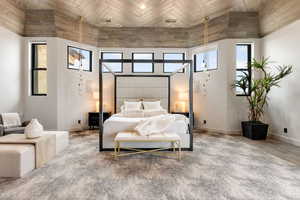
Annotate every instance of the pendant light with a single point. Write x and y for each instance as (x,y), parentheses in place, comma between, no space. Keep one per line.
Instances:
(207,76)
(80,70)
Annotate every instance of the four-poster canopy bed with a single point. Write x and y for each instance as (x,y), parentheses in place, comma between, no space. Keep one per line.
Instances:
(163,79)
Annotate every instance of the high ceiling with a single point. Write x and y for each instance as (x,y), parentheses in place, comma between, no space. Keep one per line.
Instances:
(143,13)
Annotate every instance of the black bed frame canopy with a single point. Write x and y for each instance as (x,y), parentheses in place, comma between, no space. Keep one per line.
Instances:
(186,63)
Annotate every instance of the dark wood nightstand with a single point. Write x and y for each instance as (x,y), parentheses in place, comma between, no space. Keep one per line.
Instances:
(94,118)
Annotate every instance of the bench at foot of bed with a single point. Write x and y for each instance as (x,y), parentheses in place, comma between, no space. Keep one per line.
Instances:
(173,138)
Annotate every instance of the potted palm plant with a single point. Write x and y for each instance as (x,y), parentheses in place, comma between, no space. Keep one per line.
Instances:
(256,92)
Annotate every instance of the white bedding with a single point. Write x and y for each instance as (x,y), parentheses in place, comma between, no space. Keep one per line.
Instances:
(117,123)
(155,125)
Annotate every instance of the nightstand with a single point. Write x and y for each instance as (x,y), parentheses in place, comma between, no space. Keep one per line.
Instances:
(94,118)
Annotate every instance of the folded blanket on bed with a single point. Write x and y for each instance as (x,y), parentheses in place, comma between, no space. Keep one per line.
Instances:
(155,125)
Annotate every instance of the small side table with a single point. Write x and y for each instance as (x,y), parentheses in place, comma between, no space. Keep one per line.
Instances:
(93,119)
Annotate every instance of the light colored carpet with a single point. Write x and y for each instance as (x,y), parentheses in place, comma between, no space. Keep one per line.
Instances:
(219,168)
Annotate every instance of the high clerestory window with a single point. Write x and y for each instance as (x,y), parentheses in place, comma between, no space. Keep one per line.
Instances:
(206,60)
(138,67)
(173,67)
(115,67)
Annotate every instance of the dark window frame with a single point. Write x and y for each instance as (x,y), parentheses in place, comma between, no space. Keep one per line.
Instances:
(249,70)
(132,64)
(183,58)
(33,68)
(195,61)
(122,70)
(91,58)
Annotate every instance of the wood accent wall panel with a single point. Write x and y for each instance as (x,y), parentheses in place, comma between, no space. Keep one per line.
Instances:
(55,24)
(243,25)
(40,23)
(143,37)
(68,28)
(275,14)
(12,15)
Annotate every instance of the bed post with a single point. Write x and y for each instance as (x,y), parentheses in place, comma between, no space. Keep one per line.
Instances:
(191,112)
(100,107)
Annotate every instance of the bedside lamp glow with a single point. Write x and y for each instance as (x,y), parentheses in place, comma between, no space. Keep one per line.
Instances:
(183,98)
(96,97)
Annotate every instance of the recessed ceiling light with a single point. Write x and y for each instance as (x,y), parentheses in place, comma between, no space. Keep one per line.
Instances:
(170,20)
(143,6)
(108,20)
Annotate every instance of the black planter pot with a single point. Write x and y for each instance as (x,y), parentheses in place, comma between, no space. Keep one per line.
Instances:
(255,130)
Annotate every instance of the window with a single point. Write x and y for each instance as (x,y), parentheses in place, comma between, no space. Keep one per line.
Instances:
(39,69)
(173,67)
(79,58)
(147,67)
(207,59)
(243,65)
(115,67)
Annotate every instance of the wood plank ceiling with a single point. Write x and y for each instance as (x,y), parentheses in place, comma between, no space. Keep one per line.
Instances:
(143,13)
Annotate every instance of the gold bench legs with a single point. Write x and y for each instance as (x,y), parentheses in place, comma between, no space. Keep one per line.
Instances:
(174,144)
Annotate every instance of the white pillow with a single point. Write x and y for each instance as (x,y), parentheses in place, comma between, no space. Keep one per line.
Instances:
(133,113)
(152,105)
(152,113)
(132,105)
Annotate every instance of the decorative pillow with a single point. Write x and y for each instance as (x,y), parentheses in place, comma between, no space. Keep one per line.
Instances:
(152,113)
(152,105)
(34,129)
(133,113)
(132,105)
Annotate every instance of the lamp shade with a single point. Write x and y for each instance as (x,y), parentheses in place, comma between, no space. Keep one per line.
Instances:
(183,96)
(96,95)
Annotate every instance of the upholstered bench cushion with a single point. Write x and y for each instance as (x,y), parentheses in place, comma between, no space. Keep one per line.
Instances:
(133,136)
(62,139)
(16,159)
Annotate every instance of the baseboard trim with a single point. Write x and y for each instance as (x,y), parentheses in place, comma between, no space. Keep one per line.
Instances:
(285,139)
(221,131)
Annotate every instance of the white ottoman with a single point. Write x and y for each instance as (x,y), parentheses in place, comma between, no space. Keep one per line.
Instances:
(62,139)
(16,159)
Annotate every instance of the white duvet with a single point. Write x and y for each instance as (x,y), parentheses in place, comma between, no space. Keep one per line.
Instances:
(118,123)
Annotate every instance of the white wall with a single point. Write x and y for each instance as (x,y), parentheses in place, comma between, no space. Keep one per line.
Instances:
(44,108)
(210,103)
(10,72)
(219,106)
(73,105)
(283,47)
(63,106)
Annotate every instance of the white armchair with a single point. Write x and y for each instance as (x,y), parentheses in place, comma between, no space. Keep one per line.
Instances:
(11,123)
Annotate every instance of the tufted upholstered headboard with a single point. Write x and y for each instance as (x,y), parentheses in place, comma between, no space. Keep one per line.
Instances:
(142,87)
